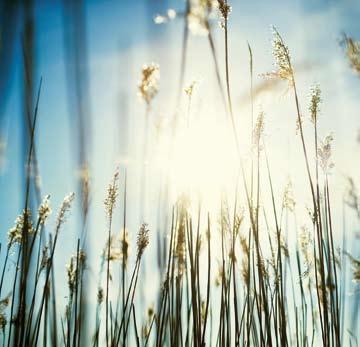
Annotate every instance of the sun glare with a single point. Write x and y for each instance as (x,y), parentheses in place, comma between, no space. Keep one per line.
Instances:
(200,160)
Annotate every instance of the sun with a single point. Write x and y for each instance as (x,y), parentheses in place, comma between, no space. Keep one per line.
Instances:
(200,160)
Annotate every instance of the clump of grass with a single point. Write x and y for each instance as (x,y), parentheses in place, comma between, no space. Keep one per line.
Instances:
(352,51)
(265,292)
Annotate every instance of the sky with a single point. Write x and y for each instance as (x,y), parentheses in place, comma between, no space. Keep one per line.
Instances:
(121,36)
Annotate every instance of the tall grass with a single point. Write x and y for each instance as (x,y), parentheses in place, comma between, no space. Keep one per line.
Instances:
(261,292)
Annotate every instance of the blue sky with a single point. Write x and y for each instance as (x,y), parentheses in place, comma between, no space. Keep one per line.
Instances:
(121,36)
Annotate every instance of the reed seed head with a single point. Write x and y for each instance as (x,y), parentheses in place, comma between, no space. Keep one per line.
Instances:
(245,269)
(119,248)
(149,85)
(76,264)
(85,178)
(225,10)
(315,101)
(142,240)
(180,247)
(355,266)
(124,242)
(190,89)
(23,223)
(219,276)
(281,55)
(305,241)
(112,194)
(71,274)
(45,258)
(324,154)
(258,130)
(288,199)
(197,20)
(199,14)
(4,303)
(64,209)
(352,51)
(3,321)
(44,209)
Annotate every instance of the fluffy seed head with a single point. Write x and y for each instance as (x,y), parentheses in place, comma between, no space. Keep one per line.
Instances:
(3,321)
(219,276)
(71,274)
(77,262)
(142,239)
(288,199)
(282,58)
(149,85)
(22,221)
(44,209)
(119,248)
(64,209)
(199,14)
(190,89)
(304,240)
(197,20)
(4,303)
(324,154)
(112,194)
(315,100)
(355,265)
(258,129)
(180,248)
(352,51)
(45,258)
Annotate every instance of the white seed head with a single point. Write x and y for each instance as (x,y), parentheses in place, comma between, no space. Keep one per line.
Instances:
(324,154)
(315,100)
(142,239)
(44,209)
